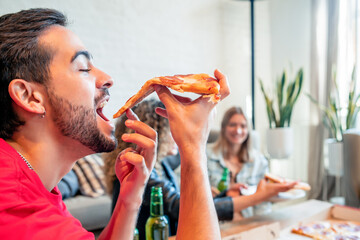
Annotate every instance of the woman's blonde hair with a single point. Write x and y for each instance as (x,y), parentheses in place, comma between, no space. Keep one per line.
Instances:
(223,145)
(146,113)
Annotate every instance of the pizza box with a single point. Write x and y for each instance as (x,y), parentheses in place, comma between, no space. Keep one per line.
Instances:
(278,224)
(333,213)
(267,231)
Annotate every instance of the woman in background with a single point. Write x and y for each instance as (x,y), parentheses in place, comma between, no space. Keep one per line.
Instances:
(246,165)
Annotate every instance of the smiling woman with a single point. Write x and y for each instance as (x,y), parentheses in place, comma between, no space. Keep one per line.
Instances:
(233,151)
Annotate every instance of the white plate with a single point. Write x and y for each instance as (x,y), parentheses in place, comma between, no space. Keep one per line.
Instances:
(248,191)
(291,194)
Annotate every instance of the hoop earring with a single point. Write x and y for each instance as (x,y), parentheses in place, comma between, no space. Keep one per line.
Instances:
(43,114)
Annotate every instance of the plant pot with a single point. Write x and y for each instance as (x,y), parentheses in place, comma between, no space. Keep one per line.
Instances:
(336,167)
(335,156)
(279,142)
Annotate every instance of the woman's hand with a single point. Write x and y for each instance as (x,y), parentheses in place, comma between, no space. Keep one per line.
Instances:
(133,166)
(266,190)
(235,189)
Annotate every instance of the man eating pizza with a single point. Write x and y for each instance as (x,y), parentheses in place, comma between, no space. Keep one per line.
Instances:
(52,98)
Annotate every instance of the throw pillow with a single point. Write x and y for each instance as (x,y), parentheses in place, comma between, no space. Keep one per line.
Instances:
(69,185)
(90,173)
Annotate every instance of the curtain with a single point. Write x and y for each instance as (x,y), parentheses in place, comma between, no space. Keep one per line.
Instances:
(333,48)
(324,42)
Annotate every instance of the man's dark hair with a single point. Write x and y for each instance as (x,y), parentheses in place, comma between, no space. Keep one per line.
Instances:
(22,57)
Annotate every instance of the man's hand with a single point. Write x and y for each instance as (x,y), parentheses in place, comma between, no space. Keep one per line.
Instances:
(190,126)
(190,120)
(133,166)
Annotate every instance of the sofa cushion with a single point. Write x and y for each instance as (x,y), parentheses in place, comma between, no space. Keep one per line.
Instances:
(93,213)
(90,173)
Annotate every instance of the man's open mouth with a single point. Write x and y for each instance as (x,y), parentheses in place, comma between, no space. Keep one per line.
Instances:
(99,110)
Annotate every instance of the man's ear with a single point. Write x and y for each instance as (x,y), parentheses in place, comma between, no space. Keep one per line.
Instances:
(27,95)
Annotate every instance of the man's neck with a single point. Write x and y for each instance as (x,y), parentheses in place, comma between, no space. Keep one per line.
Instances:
(50,158)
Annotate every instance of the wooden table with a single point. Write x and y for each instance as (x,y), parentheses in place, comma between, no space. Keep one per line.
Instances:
(281,218)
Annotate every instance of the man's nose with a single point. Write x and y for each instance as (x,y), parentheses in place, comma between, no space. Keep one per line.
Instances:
(103,80)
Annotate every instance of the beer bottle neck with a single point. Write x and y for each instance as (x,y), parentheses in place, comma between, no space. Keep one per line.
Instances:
(225,175)
(156,206)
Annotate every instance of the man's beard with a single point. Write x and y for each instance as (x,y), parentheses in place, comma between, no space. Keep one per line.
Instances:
(79,123)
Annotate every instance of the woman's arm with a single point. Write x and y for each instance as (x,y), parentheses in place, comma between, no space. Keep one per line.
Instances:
(264,192)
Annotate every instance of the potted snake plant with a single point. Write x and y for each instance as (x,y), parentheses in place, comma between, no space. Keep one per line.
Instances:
(279,111)
(337,124)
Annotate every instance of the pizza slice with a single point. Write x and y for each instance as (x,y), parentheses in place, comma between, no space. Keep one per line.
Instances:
(276,179)
(197,83)
(315,230)
(348,229)
(329,230)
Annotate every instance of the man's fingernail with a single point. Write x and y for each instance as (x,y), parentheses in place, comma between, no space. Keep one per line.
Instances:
(125,136)
(129,122)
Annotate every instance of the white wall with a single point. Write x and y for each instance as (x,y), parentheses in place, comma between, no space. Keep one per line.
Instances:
(290,27)
(137,40)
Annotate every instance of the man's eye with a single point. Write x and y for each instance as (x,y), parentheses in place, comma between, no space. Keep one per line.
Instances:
(85,70)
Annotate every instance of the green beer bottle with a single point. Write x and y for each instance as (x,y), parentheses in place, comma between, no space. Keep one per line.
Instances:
(136,234)
(224,182)
(157,227)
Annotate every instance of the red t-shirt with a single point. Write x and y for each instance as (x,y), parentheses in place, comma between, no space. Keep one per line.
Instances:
(27,209)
